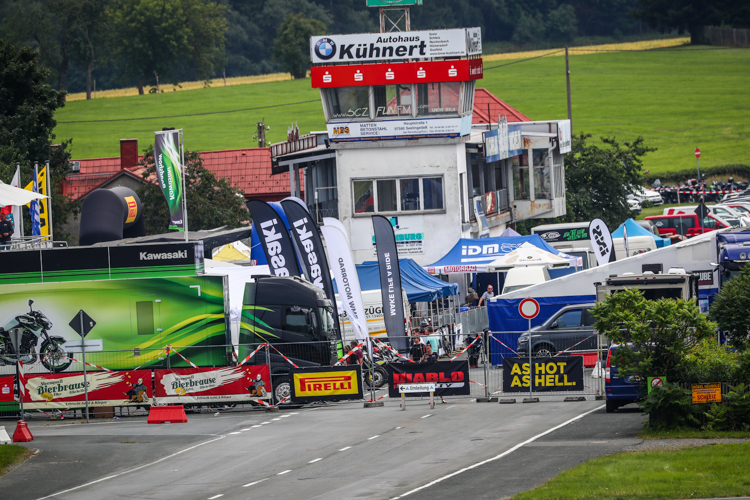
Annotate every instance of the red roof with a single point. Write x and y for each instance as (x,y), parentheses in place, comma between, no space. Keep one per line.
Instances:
(485,102)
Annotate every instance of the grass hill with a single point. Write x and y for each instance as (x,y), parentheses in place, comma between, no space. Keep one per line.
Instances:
(678,98)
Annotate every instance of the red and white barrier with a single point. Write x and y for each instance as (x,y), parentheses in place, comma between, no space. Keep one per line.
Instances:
(249,356)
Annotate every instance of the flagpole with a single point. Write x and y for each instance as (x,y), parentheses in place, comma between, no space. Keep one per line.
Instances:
(184,182)
(48,201)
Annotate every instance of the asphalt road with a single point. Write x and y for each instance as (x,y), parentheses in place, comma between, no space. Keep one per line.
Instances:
(343,451)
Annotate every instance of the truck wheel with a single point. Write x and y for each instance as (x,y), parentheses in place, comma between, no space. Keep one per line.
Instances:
(544,351)
(282,389)
(611,406)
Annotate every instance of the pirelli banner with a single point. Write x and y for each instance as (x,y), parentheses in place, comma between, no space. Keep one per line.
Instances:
(451,378)
(328,383)
(549,374)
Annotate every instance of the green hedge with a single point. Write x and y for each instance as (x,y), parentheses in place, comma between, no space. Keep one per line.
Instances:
(738,171)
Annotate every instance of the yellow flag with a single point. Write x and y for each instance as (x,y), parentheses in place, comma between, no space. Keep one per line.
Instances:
(43,212)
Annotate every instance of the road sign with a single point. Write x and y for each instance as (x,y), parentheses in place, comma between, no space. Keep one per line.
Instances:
(655,382)
(402,388)
(528,308)
(697,153)
(706,393)
(15,335)
(87,324)
(79,345)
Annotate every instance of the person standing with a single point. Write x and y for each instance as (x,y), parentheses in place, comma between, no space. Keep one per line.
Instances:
(416,353)
(486,296)
(6,231)
(357,356)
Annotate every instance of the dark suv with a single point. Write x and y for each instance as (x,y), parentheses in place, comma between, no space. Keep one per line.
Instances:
(572,328)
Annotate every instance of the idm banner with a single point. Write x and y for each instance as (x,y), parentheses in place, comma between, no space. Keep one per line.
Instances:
(169,171)
(212,385)
(330,383)
(561,373)
(390,281)
(67,390)
(451,378)
(274,239)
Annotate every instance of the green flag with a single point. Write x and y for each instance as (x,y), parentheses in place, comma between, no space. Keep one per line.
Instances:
(169,171)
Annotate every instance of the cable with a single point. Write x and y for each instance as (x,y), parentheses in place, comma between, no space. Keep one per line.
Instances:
(524,60)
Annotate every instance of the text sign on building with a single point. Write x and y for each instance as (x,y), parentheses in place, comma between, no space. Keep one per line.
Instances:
(360,75)
(401,45)
(409,234)
(399,129)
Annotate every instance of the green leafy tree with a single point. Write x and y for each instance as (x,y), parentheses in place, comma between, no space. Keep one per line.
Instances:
(292,45)
(27,108)
(691,15)
(729,310)
(211,202)
(661,332)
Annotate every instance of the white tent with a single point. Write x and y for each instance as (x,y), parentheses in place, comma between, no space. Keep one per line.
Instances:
(14,196)
(527,255)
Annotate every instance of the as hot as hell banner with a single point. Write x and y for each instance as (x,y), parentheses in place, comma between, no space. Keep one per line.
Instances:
(213,385)
(67,390)
(561,373)
(331,383)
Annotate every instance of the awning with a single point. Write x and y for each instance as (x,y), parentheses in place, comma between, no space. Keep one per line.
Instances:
(473,255)
(635,229)
(419,286)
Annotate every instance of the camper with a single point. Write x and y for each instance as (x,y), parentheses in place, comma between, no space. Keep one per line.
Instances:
(522,277)
(676,284)
(636,245)
(571,238)
(372,301)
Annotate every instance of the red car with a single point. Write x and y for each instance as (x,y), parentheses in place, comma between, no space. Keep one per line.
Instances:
(686,225)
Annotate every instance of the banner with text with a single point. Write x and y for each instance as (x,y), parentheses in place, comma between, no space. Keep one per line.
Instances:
(390,281)
(67,390)
(213,385)
(169,171)
(451,378)
(274,239)
(330,383)
(561,373)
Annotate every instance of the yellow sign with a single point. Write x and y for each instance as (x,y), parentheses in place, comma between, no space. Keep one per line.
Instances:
(132,209)
(334,383)
(43,212)
(549,374)
(706,393)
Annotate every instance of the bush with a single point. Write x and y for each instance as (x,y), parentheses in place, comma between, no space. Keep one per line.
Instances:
(734,412)
(670,406)
(710,362)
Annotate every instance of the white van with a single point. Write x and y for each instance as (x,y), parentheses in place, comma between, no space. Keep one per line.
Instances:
(636,246)
(373,303)
(522,277)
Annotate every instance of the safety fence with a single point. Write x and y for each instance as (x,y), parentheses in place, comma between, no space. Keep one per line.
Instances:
(471,320)
(732,37)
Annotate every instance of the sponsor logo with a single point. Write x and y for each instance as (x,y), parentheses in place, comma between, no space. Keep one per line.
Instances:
(326,383)
(132,209)
(550,235)
(182,254)
(453,72)
(272,237)
(441,380)
(325,48)
(358,77)
(327,78)
(305,238)
(489,249)
(341,131)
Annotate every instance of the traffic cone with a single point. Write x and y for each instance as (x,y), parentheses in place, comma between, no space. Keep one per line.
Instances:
(22,434)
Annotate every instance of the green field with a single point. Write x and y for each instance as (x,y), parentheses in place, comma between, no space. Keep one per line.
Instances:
(678,99)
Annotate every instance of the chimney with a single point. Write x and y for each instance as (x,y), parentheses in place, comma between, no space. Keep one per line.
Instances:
(128,153)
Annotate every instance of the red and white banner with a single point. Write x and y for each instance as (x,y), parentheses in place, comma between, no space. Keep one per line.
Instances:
(390,74)
(213,385)
(66,390)
(6,389)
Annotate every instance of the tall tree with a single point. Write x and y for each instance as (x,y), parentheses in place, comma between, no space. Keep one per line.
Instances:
(692,15)
(291,48)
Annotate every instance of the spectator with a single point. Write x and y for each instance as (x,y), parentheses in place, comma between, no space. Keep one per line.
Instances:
(6,231)
(416,353)
(357,356)
(486,296)
(429,356)
(471,297)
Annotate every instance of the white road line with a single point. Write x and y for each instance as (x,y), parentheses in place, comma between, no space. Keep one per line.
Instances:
(243,430)
(256,426)
(133,470)
(505,453)
(376,436)
(275,419)
(284,416)
(399,428)
(449,407)
(428,415)
(293,413)
(283,472)
(216,496)
(234,433)
(314,460)
(254,483)
(344,449)
(264,423)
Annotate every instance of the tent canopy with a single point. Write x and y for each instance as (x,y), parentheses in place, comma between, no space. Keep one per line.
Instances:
(635,229)
(14,196)
(527,255)
(419,286)
(473,255)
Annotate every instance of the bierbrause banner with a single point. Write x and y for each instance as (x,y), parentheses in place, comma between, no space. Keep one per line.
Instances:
(67,390)
(390,281)
(558,374)
(274,239)
(330,383)
(169,172)
(451,378)
(212,385)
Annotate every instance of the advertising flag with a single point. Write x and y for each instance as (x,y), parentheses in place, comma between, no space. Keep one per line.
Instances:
(42,205)
(601,241)
(15,214)
(390,281)
(34,209)
(169,170)
(345,273)
(274,239)
(312,254)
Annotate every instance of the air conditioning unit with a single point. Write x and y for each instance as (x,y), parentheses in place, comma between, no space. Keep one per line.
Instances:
(75,166)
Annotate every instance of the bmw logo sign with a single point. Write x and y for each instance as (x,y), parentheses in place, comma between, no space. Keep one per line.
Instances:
(325,48)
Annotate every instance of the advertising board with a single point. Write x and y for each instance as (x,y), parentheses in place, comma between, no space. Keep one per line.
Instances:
(451,378)
(331,383)
(399,129)
(397,45)
(357,75)
(550,374)
(67,390)
(212,385)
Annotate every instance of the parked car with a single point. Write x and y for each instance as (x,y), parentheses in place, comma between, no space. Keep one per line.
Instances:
(620,391)
(642,195)
(570,326)
(634,206)
(727,213)
(686,225)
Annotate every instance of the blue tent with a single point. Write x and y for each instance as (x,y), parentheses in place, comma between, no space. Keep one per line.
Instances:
(635,229)
(473,255)
(419,285)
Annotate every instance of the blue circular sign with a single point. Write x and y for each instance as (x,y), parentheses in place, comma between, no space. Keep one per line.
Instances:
(325,48)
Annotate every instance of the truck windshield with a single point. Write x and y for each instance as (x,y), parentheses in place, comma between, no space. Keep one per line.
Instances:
(326,319)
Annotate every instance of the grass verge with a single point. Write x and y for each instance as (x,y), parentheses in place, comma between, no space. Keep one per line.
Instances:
(691,434)
(704,472)
(12,454)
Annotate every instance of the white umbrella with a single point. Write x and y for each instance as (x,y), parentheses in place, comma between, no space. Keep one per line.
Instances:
(14,196)
(527,255)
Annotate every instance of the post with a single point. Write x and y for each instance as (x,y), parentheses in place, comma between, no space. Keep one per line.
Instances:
(49,203)
(531,371)
(700,181)
(432,400)
(184,184)
(567,81)
(83,352)
(369,349)
(21,390)
(485,357)
(403,401)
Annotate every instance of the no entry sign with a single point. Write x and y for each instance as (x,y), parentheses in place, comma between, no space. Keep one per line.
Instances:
(528,308)
(697,153)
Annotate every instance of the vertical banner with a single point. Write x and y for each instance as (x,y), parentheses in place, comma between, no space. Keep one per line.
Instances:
(601,241)
(390,281)
(304,230)
(345,272)
(16,213)
(169,170)
(274,239)
(38,209)
(625,239)
(35,206)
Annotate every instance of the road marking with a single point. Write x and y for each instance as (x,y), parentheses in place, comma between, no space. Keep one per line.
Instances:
(264,423)
(275,419)
(376,436)
(282,473)
(234,433)
(399,428)
(135,469)
(216,496)
(243,430)
(293,413)
(449,407)
(428,415)
(314,460)
(254,483)
(284,416)
(344,449)
(478,464)
(256,426)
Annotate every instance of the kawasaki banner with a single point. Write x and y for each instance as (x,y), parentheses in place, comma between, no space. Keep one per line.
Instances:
(274,238)
(304,230)
(390,281)
(169,170)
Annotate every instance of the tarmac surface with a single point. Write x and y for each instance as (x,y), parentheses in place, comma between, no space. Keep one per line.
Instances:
(459,449)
